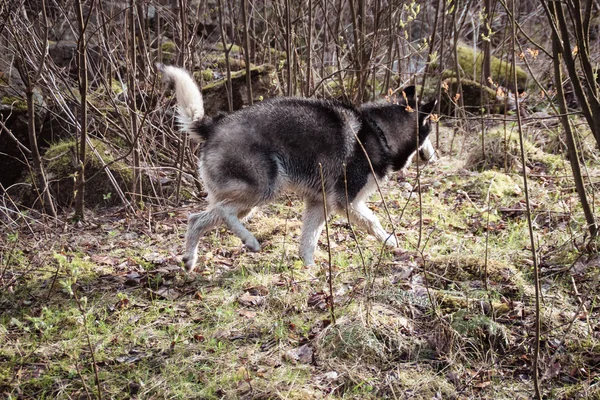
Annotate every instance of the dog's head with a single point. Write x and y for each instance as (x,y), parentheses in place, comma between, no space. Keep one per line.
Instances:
(426,150)
(406,125)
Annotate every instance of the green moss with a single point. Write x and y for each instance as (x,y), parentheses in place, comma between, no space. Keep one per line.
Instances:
(498,184)
(207,75)
(237,75)
(471,64)
(463,268)
(116,87)
(233,48)
(486,331)
(17,103)
(61,165)
(169,49)
(218,61)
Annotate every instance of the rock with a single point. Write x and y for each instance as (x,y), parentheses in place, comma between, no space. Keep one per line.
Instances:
(475,97)
(215,94)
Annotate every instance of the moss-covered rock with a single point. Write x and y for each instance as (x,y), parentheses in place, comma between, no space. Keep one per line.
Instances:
(62,166)
(61,169)
(264,85)
(16,103)
(169,50)
(476,98)
(471,65)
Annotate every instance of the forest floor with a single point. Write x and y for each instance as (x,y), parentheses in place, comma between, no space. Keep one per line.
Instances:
(101,308)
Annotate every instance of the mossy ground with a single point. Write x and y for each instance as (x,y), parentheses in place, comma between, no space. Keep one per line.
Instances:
(447,315)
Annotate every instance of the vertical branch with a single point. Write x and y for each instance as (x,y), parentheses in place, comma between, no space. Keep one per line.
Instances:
(536,280)
(83,88)
(136,188)
(430,52)
(183,45)
(183,143)
(226,49)
(309,51)
(330,279)
(247,50)
(288,46)
(570,136)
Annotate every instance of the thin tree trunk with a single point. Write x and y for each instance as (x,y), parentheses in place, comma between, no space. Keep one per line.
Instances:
(571,146)
(83,88)
(536,279)
(247,50)
(136,187)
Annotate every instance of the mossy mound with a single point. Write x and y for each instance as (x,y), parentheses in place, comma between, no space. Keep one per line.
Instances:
(471,65)
(497,184)
(62,167)
(481,332)
(61,170)
(502,151)
(462,268)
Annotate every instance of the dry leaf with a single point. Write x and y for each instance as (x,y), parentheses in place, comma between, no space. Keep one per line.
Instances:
(166,293)
(303,354)
(247,313)
(249,300)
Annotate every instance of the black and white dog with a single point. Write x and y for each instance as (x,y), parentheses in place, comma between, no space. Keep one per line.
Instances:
(250,156)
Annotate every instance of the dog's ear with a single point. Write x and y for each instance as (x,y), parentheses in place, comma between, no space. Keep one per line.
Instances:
(425,111)
(410,92)
(428,108)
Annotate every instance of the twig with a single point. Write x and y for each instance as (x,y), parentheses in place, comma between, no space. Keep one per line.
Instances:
(536,279)
(330,278)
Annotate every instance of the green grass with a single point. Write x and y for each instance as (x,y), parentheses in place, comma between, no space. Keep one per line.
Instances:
(424,320)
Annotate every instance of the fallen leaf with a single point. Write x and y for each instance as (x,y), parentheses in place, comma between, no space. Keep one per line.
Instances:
(302,354)
(247,313)
(483,385)
(318,300)
(166,293)
(258,290)
(104,260)
(247,299)
(154,258)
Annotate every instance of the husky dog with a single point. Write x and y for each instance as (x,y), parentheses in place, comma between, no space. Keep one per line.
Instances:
(316,148)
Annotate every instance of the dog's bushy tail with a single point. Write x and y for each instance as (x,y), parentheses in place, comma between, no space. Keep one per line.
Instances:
(190,106)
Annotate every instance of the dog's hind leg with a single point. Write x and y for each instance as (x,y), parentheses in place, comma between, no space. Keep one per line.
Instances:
(362,215)
(312,226)
(198,224)
(229,214)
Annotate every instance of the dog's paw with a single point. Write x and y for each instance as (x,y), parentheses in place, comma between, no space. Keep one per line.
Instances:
(252,244)
(189,261)
(391,242)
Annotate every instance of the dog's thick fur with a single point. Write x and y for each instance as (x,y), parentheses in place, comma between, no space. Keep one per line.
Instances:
(250,156)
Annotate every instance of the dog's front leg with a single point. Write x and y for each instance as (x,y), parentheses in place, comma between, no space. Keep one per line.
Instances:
(362,215)
(312,226)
